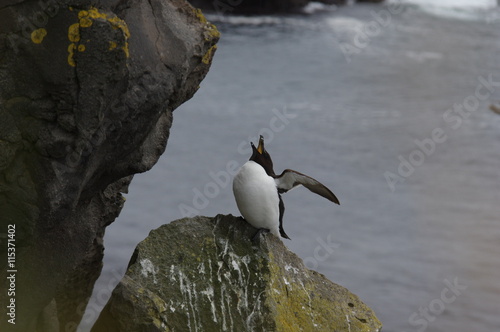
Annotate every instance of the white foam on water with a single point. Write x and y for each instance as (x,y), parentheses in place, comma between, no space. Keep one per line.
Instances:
(450,3)
(456,9)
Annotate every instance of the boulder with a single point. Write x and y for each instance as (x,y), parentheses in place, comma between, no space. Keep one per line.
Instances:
(205,274)
(87,90)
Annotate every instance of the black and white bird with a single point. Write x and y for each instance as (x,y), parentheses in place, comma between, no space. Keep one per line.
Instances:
(257,190)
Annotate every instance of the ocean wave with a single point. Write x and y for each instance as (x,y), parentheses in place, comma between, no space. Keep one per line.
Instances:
(259,20)
(485,4)
(245,20)
(318,7)
(455,9)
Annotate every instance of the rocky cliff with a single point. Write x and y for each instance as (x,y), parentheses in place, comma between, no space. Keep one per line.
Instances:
(205,274)
(87,90)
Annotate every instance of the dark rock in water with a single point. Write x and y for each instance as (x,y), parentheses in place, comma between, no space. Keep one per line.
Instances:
(257,7)
(205,274)
(87,90)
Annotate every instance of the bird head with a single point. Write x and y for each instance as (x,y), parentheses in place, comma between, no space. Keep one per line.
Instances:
(262,157)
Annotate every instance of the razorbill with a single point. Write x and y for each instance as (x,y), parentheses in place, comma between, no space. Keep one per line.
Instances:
(257,190)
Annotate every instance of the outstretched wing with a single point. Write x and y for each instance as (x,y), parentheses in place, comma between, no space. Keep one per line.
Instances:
(289,179)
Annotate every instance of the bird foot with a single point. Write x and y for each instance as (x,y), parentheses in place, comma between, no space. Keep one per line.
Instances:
(258,233)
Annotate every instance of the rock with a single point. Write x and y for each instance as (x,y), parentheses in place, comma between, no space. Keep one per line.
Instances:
(205,274)
(87,90)
(257,7)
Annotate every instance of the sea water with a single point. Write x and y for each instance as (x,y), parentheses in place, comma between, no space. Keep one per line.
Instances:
(389,106)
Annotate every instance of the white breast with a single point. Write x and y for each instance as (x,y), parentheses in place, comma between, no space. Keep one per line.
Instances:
(257,198)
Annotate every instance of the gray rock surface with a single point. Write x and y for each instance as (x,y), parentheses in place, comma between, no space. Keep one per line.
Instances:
(205,274)
(87,90)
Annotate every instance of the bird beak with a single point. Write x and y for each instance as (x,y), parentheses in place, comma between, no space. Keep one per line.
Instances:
(260,148)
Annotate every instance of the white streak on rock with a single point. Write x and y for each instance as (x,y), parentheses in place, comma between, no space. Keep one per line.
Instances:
(209,293)
(148,268)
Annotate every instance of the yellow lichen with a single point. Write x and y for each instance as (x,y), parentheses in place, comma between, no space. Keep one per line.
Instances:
(85,20)
(71,51)
(212,32)
(117,23)
(74,37)
(38,35)
(95,14)
(74,33)
(208,56)
(125,49)
(199,14)
(86,17)
(82,13)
